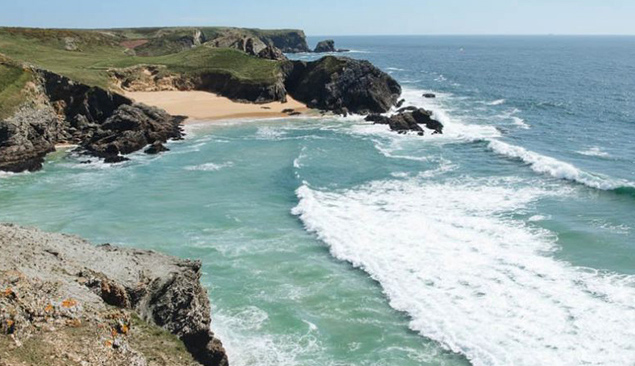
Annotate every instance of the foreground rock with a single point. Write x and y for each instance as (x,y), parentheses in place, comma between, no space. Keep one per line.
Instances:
(409,119)
(64,301)
(59,110)
(342,84)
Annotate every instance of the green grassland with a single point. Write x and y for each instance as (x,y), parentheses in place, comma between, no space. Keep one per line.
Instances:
(13,78)
(98,51)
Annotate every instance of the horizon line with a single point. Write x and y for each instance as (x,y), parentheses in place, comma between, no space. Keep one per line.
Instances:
(341,35)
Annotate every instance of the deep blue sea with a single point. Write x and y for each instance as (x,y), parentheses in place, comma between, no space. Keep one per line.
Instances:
(508,240)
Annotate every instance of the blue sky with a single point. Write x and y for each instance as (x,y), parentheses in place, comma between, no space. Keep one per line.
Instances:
(336,17)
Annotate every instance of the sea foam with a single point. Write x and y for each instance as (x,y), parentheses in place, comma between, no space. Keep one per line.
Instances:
(558,169)
(473,278)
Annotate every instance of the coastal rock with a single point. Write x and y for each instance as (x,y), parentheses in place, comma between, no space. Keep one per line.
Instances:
(59,292)
(27,137)
(429,95)
(155,148)
(59,110)
(272,53)
(325,46)
(333,83)
(291,41)
(251,45)
(130,128)
(408,119)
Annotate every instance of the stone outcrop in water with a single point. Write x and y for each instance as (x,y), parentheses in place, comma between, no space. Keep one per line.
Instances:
(408,119)
(60,110)
(64,301)
(327,46)
(342,84)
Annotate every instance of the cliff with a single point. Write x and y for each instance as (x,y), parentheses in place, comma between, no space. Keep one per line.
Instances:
(63,86)
(64,301)
(54,109)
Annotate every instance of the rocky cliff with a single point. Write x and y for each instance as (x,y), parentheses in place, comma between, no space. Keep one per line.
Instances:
(64,301)
(59,110)
(343,85)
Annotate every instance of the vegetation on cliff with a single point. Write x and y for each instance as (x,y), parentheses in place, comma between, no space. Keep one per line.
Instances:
(13,79)
(86,56)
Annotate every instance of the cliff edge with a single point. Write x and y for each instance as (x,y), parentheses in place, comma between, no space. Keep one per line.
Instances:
(64,301)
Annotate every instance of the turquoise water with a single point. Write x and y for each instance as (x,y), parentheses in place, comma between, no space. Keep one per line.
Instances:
(329,241)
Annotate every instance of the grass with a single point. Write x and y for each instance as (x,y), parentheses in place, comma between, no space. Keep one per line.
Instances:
(12,81)
(100,51)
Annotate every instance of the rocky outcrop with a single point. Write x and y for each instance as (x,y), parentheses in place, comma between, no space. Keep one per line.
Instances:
(103,305)
(292,41)
(272,53)
(249,44)
(341,84)
(60,110)
(409,119)
(327,46)
(27,137)
(130,128)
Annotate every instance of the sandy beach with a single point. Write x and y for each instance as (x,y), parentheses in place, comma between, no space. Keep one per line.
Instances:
(203,106)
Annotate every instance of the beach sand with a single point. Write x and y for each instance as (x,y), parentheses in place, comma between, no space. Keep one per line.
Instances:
(203,106)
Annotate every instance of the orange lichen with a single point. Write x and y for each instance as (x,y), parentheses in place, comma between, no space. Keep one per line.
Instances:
(8,292)
(69,303)
(48,308)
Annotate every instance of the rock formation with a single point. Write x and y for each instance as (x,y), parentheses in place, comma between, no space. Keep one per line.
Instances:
(60,110)
(343,85)
(408,119)
(292,41)
(251,45)
(327,46)
(64,301)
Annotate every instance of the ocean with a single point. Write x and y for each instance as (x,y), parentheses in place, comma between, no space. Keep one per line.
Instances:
(508,240)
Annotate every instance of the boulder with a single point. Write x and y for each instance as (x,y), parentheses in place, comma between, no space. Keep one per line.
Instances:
(156,148)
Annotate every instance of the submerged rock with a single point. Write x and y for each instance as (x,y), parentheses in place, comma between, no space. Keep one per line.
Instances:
(429,95)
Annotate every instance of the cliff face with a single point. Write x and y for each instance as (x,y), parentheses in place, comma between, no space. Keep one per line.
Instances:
(59,110)
(342,85)
(292,41)
(64,301)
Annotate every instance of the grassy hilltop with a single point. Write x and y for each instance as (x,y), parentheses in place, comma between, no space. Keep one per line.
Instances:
(86,55)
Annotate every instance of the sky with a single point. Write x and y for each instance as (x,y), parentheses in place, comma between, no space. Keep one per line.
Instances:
(335,17)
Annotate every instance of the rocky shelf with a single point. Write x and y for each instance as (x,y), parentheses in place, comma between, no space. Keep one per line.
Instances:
(67,301)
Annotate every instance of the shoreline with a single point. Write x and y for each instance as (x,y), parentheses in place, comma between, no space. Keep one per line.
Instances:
(200,106)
